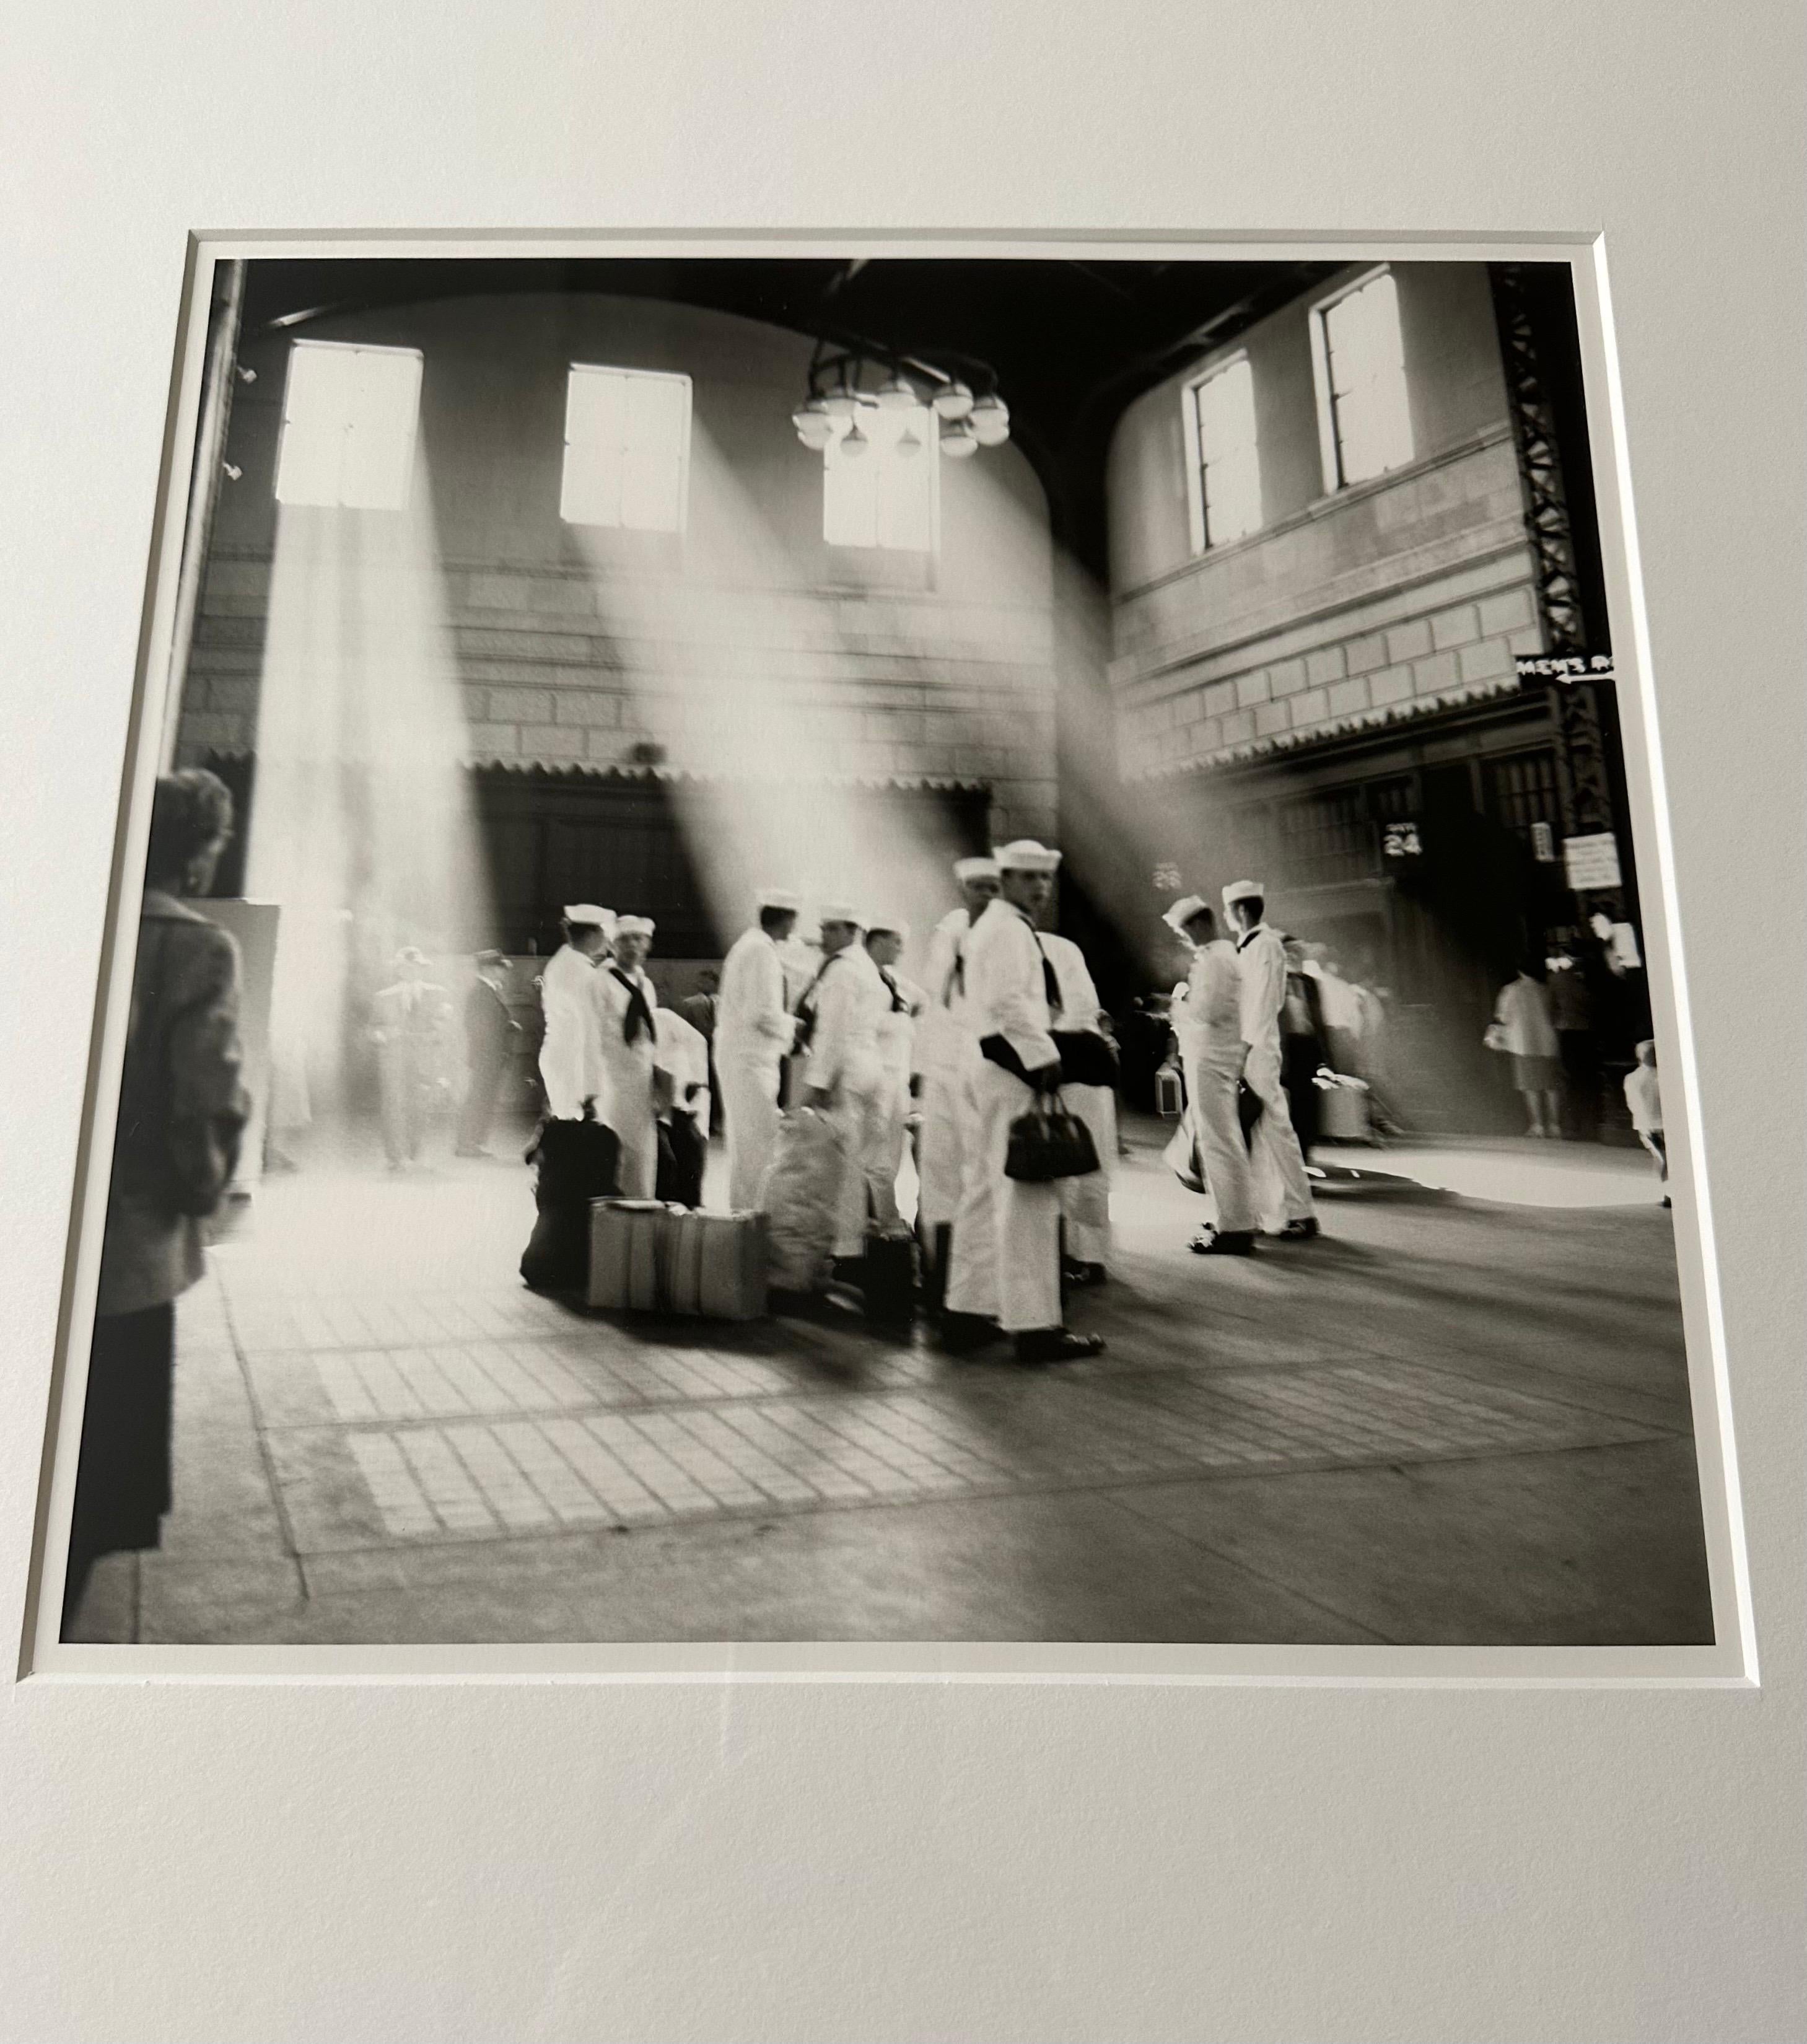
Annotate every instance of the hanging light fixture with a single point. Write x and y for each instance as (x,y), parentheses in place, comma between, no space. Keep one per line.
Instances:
(909,443)
(815,424)
(959,442)
(896,393)
(990,420)
(843,401)
(854,443)
(953,400)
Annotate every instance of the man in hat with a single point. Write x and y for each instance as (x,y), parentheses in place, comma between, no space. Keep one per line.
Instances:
(903,1002)
(570,1053)
(946,1049)
(408,1027)
(1004,1270)
(490,1035)
(627,1044)
(843,1077)
(1281,1189)
(754,1031)
(1208,1024)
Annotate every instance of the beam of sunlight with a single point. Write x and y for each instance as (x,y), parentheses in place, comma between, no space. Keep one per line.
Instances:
(363,829)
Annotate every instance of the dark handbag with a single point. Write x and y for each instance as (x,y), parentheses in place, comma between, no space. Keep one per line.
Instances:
(1248,1107)
(1047,1144)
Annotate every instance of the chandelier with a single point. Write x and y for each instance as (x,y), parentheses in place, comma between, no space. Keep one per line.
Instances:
(960,420)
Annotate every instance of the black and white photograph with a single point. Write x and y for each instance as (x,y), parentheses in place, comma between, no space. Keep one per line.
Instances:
(866,947)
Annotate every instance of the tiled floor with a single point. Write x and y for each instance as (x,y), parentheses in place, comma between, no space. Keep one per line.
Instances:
(381,1434)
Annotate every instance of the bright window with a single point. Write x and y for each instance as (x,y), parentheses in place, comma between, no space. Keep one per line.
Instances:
(349,416)
(627,449)
(1365,419)
(888,493)
(1225,474)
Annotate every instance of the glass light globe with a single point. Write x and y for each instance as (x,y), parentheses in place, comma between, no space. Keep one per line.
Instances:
(896,392)
(909,443)
(959,443)
(990,420)
(841,403)
(953,401)
(815,427)
(854,443)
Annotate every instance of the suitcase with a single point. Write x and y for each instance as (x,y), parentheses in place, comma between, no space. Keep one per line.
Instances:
(1169,1092)
(888,1279)
(713,1264)
(625,1237)
(1343,1113)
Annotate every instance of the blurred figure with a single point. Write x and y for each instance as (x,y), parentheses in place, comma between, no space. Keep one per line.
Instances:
(946,1052)
(1572,1012)
(904,1003)
(1085,1203)
(843,1080)
(1522,1029)
(1303,1048)
(490,1035)
(570,1053)
(1644,1095)
(1340,1009)
(1208,1027)
(700,1010)
(1281,1187)
(627,1045)
(183,1109)
(681,1055)
(408,1026)
(754,1031)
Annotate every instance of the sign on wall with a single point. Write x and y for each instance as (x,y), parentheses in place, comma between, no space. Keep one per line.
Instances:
(1400,839)
(1563,667)
(1593,862)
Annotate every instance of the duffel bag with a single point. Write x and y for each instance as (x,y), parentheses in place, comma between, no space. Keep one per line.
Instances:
(799,1197)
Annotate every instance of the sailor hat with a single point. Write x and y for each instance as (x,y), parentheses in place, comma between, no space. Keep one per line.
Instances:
(779,897)
(1244,890)
(587,912)
(839,912)
(1184,909)
(975,869)
(635,926)
(1027,856)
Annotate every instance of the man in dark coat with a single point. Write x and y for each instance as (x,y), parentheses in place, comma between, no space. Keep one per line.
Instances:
(490,1035)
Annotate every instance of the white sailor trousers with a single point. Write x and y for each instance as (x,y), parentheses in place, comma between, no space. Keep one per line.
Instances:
(1085,1203)
(858,1112)
(1283,1191)
(630,1113)
(939,1149)
(1211,1085)
(749,1080)
(1006,1256)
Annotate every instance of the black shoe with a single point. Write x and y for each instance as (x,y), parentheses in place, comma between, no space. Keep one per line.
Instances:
(962,1333)
(1084,1276)
(1304,1230)
(1212,1242)
(1056,1345)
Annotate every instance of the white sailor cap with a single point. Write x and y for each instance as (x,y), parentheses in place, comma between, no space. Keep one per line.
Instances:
(983,868)
(587,912)
(839,912)
(778,898)
(635,926)
(1244,890)
(1027,856)
(888,926)
(1184,909)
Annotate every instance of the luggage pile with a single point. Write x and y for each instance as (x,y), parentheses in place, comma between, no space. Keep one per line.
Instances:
(648,1257)
(799,1195)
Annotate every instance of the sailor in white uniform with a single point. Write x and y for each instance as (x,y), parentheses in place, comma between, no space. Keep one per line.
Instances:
(1283,1191)
(1208,1024)
(842,1078)
(1004,1270)
(754,1031)
(1085,1202)
(571,1059)
(904,1003)
(946,1049)
(625,998)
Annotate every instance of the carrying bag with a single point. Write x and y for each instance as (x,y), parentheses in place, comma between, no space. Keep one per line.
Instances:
(1047,1144)
(626,1250)
(1248,1107)
(1086,1058)
(888,1279)
(1496,1037)
(1169,1091)
(575,1162)
(1181,1157)
(713,1264)
(799,1197)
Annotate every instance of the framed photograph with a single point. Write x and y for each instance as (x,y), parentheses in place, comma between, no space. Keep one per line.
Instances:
(893,1061)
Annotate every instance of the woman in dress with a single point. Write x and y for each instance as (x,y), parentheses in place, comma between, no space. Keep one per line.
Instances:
(1522,1028)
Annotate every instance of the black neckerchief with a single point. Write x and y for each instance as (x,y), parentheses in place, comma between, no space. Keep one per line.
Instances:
(899,1005)
(1050,979)
(1248,937)
(638,1015)
(805,1007)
